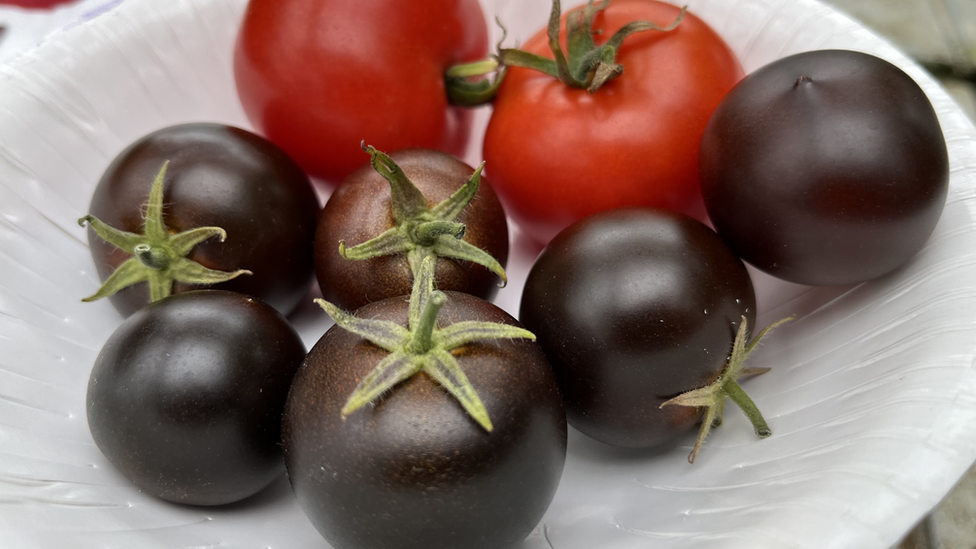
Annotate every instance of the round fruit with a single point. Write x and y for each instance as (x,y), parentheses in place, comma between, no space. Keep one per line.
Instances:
(557,153)
(414,469)
(825,167)
(217,176)
(634,307)
(186,397)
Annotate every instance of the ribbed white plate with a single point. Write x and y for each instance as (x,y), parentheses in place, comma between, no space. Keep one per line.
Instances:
(872,397)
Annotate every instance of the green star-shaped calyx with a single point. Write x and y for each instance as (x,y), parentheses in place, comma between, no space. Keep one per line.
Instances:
(158,256)
(712,396)
(420,231)
(583,64)
(421,347)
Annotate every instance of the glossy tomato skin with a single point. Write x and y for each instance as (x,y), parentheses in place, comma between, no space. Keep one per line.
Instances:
(186,397)
(218,176)
(826,167)
(414,470)
(633,307)
(359,210)
(557,154)
(319,76)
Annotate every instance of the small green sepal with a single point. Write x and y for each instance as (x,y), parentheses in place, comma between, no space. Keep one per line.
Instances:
(475,83)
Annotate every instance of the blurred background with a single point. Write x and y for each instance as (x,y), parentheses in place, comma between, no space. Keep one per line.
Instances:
(939,34)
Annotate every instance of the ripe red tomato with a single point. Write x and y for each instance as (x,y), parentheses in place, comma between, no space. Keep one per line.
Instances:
(36,4)
(317,77)
(556,154)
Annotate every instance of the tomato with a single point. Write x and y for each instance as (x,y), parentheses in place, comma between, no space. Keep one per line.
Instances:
(556,154)
(426,463)
(186,397)
(632,308)
(360,210)
(825,167)
(36,4)
(319,76)
(217,176)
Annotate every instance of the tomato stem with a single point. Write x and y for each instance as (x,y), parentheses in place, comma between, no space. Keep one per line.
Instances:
(421,340)
(712,397)
(475,89)
(473,69)
(426,234)
(737,395)
(151,257)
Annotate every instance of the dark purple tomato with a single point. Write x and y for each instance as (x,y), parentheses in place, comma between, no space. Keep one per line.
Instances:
(186,397)
(359,210)
(825,167)
(218,176)
(413,469)
(633,307)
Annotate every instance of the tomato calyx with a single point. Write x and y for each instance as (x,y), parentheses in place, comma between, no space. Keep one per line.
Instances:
(421,347)
(419,230)
(159,257)
(584,65)
(712,396)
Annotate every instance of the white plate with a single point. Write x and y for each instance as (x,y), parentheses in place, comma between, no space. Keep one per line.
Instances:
(872,397)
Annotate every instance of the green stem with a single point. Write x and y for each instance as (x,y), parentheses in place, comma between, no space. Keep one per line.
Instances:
(466,86)
(152,257)
(472,69)
(739,396)
(421,340)
(426,233)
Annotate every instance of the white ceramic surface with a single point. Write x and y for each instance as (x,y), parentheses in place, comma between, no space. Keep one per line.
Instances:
(872,396)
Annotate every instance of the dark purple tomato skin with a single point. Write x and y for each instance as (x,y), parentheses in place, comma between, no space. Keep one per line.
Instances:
(413,470)
(825,168)
(218,176)
(186,397)
(359,210)
(633,307)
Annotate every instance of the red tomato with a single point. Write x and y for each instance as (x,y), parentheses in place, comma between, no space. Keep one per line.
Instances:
(317,77)
(35,4)
(557,154)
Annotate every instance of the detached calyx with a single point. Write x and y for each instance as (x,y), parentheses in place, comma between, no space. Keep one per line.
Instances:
(582,65)
(158,256)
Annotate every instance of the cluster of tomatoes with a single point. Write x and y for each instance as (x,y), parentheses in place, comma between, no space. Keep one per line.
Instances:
(428,417)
